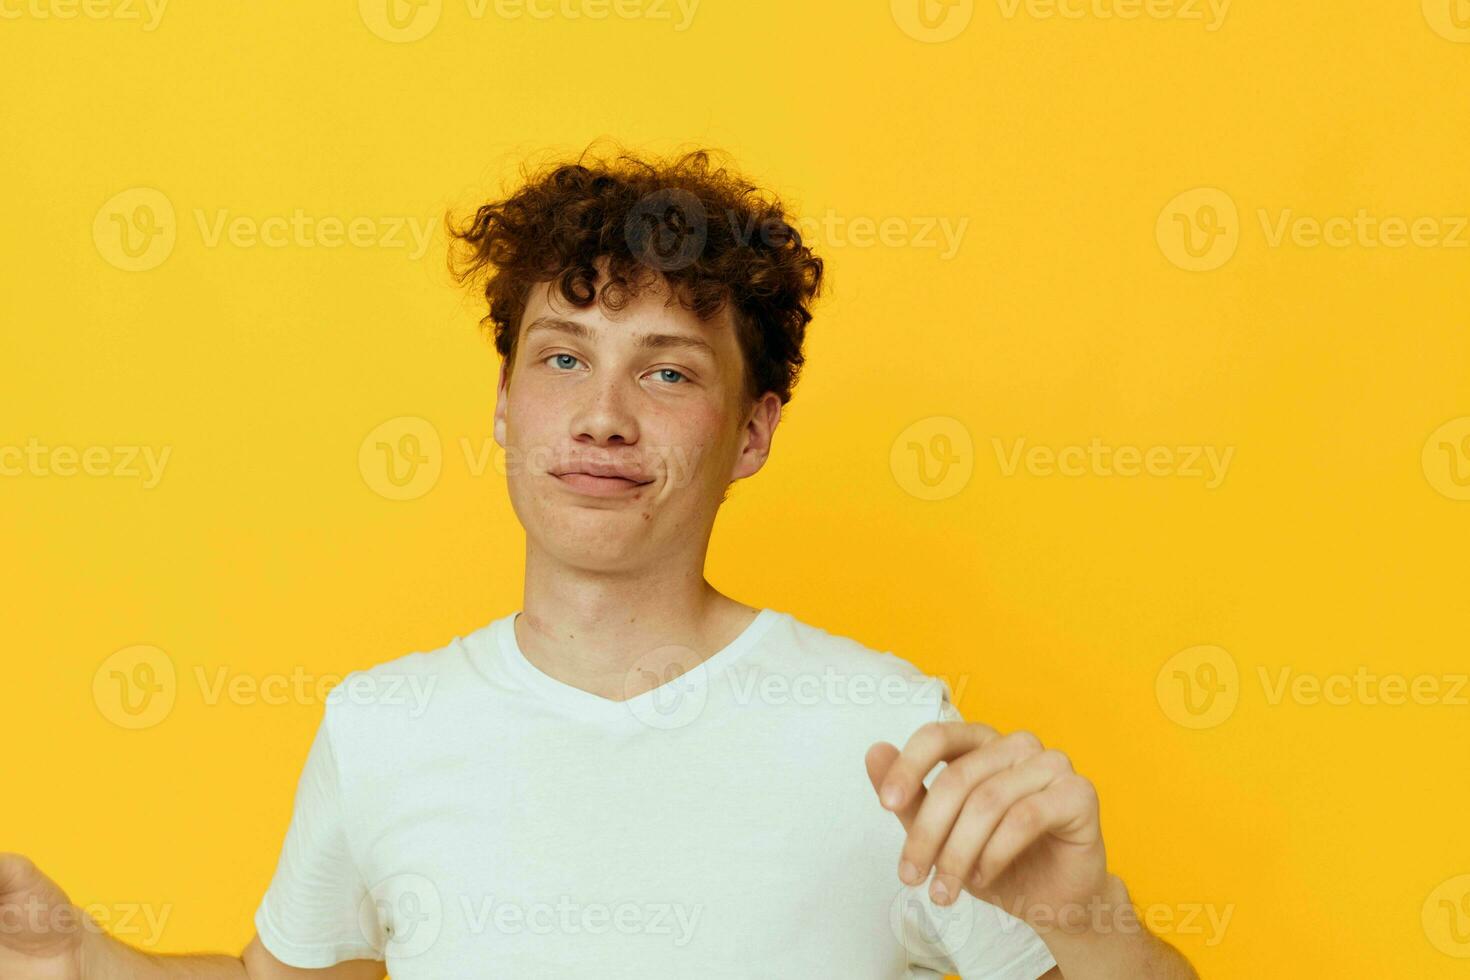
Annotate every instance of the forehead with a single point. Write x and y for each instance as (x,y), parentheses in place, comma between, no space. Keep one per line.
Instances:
(650,320)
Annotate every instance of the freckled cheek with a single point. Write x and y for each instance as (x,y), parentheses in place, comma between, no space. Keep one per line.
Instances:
(685,444)
(693,472)
(531,402)
(532,426)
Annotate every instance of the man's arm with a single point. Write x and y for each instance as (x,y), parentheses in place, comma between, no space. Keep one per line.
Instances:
(1010,822)
(1109,941)
(43,936)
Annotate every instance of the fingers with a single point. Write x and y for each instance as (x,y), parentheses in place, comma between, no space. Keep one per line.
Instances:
(933,743)
(995,797)
(1064,808)
(879,760)
(16,870)
(958,818)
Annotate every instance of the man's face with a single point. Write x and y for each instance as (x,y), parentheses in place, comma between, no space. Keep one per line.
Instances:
(649,397)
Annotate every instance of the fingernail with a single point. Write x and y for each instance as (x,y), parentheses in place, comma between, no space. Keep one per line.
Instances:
(939,893)
(908,873)
(891,796)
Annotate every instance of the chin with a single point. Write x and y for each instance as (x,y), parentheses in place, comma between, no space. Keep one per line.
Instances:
(594,556)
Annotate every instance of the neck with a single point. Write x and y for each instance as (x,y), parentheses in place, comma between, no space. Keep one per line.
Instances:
(617,635)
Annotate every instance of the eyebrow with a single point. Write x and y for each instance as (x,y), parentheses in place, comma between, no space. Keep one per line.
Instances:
(645,341)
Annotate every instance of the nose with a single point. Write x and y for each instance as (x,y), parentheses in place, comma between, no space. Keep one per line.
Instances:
(605,415)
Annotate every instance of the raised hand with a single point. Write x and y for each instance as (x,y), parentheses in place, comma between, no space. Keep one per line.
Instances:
(40,930)
(1006,819)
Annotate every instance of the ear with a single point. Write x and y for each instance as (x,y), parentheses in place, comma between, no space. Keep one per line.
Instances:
(500,400)
(759,431)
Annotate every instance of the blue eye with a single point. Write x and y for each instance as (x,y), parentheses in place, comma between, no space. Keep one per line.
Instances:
(663,371)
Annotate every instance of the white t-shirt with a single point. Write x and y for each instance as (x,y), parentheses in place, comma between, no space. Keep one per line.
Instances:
(462,814)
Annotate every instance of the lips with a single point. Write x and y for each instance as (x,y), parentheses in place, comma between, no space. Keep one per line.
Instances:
(598,479)
(604,471)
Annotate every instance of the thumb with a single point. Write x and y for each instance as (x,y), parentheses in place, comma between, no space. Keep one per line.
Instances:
(17,873)
(41,921)
(879,760)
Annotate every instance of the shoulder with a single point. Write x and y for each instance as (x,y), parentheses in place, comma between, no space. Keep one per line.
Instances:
(835,669)
(417,689)
(814,647)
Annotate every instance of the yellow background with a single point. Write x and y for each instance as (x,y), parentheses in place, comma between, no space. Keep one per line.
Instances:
(1332,544)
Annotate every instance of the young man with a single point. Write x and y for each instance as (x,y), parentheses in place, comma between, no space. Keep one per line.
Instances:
(635,775)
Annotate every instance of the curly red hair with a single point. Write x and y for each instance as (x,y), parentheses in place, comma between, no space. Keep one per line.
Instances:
(711,234)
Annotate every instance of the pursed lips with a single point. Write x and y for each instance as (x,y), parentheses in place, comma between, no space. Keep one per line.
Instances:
(599,485)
